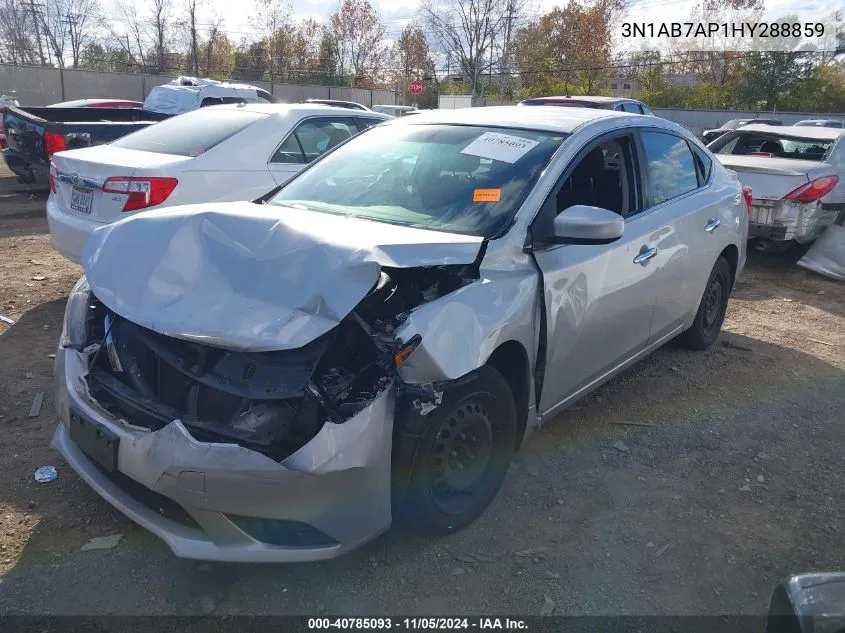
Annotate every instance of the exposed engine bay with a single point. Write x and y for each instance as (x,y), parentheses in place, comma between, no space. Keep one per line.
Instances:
(270,402)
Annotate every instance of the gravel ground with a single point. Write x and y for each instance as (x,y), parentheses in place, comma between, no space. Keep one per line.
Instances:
(728,479)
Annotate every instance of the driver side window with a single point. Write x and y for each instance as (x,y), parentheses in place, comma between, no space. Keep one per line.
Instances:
(604,177)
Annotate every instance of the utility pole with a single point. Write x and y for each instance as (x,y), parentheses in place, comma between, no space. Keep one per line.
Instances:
(505,62)
(71,24)
(36,18)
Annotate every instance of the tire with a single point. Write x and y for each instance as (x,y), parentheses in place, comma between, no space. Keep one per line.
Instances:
(711,311)
(460,457)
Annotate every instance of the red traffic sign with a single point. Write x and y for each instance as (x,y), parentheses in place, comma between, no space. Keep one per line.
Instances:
(415,87)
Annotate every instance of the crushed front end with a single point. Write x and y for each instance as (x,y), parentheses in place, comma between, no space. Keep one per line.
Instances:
(226,455)
(272,456)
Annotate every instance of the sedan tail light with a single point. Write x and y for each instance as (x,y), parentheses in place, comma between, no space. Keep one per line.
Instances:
(53,173)
(813,190)
(53,143)
(746,193)
(143,192)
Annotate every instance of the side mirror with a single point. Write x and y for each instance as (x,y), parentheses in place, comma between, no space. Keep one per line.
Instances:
(809,603)
(582,223)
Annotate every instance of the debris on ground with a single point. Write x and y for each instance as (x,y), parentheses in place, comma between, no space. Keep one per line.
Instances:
(35,408)
(620,446)
(551,575)
(46,474)
(29,375)
(102,542)
(663,550)
(38,278)
(815,340)
(459,571)
(7,320)
(548,606)
(761,479)
(742,348)
(466,558)
(762,455)
(528,553)
(634,423)
(746,487)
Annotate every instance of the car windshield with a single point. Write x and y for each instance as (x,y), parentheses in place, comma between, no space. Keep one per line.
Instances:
(453,178)
(192,133)
(772,145)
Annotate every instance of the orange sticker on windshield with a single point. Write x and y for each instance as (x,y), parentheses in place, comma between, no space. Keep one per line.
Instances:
(486,195)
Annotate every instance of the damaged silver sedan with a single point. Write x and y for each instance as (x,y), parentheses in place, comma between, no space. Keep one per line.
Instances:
(283,380)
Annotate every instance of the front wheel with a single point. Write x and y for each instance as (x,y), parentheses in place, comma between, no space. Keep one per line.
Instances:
(461,457)
(711,311)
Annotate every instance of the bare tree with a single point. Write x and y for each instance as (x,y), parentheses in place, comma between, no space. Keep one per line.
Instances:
(18,43)
(468,31)
(68,27)
(161,25)
(191,14)
(359,34)
(148,32)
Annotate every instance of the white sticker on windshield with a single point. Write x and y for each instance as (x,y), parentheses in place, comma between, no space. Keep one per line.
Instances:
(503,147)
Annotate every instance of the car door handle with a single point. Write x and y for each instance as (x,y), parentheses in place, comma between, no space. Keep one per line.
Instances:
(645,255)
(712,225)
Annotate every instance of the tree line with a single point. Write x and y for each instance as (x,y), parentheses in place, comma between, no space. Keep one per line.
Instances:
(488,48)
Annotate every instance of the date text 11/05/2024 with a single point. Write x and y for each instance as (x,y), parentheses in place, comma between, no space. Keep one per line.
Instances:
(418,624)
(723,29)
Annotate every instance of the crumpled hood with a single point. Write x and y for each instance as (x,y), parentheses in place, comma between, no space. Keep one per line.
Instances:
(252,277)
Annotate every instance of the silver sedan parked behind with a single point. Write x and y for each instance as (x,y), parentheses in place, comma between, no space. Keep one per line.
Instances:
(282,380)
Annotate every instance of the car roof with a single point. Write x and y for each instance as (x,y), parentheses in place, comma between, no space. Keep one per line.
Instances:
(329,101)
(586,98)
(301,108)
(540,118)
(802,131)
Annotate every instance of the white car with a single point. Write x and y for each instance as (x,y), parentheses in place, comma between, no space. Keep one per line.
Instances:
(217,154)
(797,175)
(184,94)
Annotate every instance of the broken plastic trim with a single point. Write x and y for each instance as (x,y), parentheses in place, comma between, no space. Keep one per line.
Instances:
(271,402)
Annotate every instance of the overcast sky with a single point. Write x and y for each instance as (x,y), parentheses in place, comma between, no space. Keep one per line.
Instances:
(397,13)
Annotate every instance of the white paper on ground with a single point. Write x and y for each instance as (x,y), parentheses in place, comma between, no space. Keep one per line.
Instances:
(503,147)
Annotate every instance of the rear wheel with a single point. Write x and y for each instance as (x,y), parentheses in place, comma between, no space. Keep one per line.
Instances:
(462,456)
(711,311)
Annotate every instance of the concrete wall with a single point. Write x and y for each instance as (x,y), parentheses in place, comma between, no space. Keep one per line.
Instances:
(37,86)
(699,120)
(34,86)
(81,84)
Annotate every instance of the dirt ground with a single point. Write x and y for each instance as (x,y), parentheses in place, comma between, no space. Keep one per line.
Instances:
(731,479)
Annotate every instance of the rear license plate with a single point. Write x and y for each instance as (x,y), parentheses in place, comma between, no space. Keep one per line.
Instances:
(95,440)
(81,200)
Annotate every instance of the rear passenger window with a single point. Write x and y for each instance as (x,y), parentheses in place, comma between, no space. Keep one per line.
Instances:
(314,137)
(671,166)
(704,164)
(632,107)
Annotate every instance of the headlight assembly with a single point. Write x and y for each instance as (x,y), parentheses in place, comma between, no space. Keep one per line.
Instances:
(76,312)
